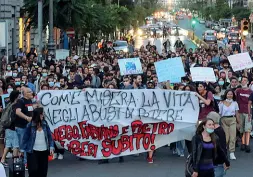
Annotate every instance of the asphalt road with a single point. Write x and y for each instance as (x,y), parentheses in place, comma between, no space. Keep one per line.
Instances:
(165,165)
(139,41)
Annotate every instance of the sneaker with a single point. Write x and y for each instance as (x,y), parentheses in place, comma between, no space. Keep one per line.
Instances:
(247,149)
(55,156)
(5,164)
(174,152)
(232,156)
(181,155)
(26,167)
(150,160)
(60,157)
(243,147)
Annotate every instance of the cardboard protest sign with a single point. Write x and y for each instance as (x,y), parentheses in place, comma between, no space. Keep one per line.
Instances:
(202,74)
(5,100)
(170,69)
(240,61)
(101,123)
(129,66)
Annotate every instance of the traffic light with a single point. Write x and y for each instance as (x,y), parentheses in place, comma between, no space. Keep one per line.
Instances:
(193,23)
(245,27)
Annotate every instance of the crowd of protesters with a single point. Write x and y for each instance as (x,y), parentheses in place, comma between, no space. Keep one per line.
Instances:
(231,96)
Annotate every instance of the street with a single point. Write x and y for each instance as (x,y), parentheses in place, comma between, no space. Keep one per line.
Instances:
(165,165)
(139,41)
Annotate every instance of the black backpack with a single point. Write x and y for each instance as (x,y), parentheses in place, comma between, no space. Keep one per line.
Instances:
(8,116)
(188,166)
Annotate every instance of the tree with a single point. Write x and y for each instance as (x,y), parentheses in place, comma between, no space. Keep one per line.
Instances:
(67,13)
(222,10)
(241,13)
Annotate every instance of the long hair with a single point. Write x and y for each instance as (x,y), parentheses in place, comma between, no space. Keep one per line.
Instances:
(200,129)
(224,97)
(36,116)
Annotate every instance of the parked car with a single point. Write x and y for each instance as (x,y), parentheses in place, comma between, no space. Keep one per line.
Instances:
(120,46)
(208,24)
(201,21)
(210,36)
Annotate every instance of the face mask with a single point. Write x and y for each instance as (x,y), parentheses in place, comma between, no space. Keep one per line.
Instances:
(44,74)
(80,63)
(14,74)
(229,100)
(221,82)
(209,130)
(9,90)
(8,68)
(51,84)
(18,69)
(23,82)
(17,83)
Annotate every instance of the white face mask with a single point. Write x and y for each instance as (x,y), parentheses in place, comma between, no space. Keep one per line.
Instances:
(229,100)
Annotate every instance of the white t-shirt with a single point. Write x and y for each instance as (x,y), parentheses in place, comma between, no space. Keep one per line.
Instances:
(228,110)
(2,171)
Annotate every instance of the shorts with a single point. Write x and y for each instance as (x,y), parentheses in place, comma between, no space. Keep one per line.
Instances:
(11,139)
(245,124)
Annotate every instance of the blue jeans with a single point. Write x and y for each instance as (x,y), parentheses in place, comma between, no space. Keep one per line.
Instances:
(219,170)
(20,133)
(180,147)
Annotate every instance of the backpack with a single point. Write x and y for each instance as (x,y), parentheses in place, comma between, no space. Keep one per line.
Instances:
(214,104)
(188,166)
(8,116)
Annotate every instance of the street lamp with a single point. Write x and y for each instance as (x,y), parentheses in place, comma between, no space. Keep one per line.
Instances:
(51,44)
(40,24)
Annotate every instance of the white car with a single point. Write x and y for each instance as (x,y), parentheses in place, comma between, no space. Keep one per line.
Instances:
(120,46)
(201,21)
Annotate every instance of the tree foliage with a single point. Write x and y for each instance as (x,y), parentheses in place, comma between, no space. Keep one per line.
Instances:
(241,13)
(91,16)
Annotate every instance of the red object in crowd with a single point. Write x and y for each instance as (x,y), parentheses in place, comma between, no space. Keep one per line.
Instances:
(50,158)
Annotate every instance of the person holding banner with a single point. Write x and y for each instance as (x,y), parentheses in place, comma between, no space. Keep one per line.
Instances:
(205,100)
(205,149)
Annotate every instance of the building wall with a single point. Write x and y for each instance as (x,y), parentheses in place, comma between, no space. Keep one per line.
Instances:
(10,10)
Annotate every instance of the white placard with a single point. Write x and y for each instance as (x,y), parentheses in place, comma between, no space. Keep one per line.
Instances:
(240,61)
(61,54)
(102,123)
(171,69)
(129,66)
(202,74)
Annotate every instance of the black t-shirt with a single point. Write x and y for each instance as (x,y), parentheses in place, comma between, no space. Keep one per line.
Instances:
(26,107)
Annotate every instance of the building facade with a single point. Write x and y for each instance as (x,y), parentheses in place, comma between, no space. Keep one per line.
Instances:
(10,11)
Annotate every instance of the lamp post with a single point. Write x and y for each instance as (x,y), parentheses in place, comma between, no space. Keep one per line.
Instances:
(51,44)
(40,24)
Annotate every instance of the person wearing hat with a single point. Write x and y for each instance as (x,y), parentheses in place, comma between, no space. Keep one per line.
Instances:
(218,130)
